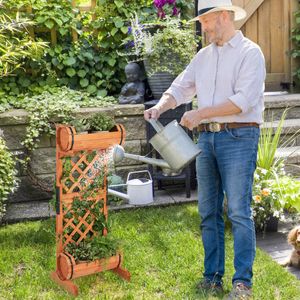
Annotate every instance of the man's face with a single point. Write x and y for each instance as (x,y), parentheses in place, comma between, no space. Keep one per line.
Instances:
(212,26)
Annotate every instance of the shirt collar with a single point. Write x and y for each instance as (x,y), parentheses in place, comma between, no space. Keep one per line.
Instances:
(234,41)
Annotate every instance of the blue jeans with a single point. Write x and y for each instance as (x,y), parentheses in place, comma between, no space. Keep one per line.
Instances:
(225,167)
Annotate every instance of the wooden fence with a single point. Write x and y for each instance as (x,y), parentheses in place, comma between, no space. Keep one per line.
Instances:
(53,32)
(269,24)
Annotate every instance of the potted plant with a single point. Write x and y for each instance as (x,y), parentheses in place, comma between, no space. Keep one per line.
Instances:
(271,196)
(165,46)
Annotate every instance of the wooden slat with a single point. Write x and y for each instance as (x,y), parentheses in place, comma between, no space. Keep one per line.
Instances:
(30,28)
(250,8)
(287,45)
(276,35)
(74,33)
(251,28)
(264,36)
(294,6)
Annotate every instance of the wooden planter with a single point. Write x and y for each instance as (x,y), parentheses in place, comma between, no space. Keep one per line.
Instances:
(84,152)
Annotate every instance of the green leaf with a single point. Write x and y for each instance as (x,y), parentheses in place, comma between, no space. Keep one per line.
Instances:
(124,29)
(112,62)
(58,22)
(118,3)
(81,73)
(91,89)
(84,82)
(102,93)
(70,61)
(70,72)
(54,61)
(88,55)
(118,22)
(62,31)
(114,31)
(49,24)
(24,82)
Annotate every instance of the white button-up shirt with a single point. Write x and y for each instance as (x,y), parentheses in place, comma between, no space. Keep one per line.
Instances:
(235,71)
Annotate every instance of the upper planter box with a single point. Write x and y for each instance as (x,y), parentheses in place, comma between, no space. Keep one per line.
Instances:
(69,140)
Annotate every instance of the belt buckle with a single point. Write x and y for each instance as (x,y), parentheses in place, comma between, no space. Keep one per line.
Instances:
(214,127)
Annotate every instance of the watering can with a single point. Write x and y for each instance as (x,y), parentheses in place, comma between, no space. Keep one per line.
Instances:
(139,191)
(171,142)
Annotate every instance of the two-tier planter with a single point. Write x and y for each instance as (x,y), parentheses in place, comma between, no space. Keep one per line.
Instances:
(87,157)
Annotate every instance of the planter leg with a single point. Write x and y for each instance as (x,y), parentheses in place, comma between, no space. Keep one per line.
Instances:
(122,272)
(66,284)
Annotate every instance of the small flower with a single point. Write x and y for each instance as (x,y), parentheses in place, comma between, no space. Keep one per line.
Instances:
(159,3)
(257,199)
(160,13)
(175,11)
(265,192)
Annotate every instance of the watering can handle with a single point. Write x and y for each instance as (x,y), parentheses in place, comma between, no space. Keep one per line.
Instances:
(156,125)
(143,171)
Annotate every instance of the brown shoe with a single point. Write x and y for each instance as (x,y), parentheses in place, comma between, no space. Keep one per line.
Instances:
(206,286)
(240,292)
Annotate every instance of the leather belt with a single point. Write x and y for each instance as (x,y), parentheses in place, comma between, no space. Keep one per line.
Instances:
(216,127)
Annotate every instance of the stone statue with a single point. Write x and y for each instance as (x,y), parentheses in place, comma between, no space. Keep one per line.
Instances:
(134,90)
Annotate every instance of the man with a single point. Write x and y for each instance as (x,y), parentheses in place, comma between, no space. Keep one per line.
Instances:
(228,78)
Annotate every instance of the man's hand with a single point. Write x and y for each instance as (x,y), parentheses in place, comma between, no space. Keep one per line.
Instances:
(191,119)
(151,113)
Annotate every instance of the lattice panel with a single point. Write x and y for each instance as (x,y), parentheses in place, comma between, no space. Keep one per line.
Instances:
(82,169)
(78,225)
(83,177)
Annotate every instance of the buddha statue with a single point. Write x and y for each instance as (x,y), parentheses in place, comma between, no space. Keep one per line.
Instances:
(134,90)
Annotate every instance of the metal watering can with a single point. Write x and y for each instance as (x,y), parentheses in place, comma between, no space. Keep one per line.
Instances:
(171,142)
(139,191)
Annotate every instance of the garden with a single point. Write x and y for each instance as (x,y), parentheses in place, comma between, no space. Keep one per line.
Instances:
(60,56)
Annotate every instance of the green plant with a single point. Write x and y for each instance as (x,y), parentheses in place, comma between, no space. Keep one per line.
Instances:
(165,46)
(16,44)
(267,202)
(270,140)
(7,175)
(295,36)
(101,122)
(288,189)
(270,198)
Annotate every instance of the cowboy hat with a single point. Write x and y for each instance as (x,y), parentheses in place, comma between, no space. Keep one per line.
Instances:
(208,6)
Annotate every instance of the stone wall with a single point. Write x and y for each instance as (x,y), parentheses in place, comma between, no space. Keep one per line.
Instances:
(13,124)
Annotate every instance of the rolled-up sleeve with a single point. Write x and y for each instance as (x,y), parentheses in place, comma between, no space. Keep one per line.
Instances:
(183,88)
(250,81)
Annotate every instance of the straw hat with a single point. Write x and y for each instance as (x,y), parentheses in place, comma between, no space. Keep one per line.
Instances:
(208,6)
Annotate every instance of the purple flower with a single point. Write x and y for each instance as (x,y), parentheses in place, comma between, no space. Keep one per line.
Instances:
(129,30)
(160,13)
(175,11)
(160,3)
(171,1)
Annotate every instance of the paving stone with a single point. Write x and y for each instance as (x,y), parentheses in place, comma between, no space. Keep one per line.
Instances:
(32,210)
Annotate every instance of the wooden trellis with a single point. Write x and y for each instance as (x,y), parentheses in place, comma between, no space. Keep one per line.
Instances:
(87,158)
(53,32)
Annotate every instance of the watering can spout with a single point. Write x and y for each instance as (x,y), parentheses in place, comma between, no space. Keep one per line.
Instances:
(119,154)
(117,194)
(171,142)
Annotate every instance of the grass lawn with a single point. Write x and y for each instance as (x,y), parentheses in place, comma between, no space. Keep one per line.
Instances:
(162,250)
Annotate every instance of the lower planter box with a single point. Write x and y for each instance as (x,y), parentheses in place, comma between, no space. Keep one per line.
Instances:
(68,269)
